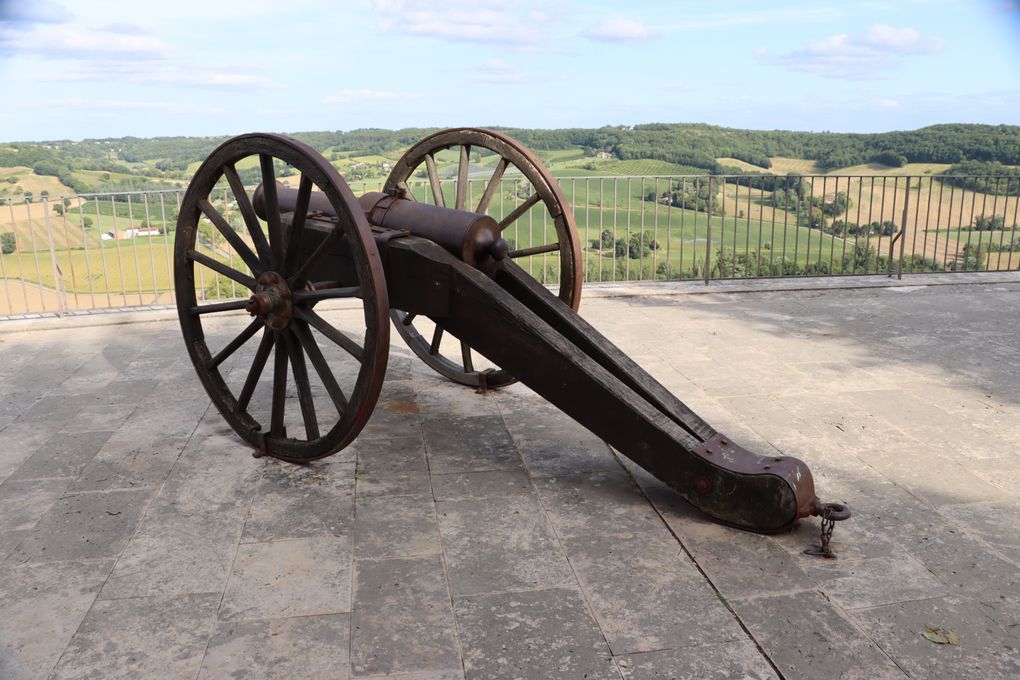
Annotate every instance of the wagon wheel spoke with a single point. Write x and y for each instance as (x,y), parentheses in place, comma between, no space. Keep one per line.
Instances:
(437,189)
(304,388)
(219,307)
(437,339)
(492,187)
(255,372)
(297,225)
(224,269)
(465,355)
(301,275)
(236,343)
(462,176)
(530,203)
(272,205)
(279,391)
(240,247)
(310,296)
(323,326)
(251,220)
(322,369)
(537,250)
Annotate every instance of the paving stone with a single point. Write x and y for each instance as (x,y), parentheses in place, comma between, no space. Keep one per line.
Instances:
(140,638)
(721,661)
(41,605)
(472,444)
(936,479)
(392,467)
(299,501)
(806,637)
(9,540)
(553,444)
(22,503)
(647,594)
(985,650)
(174,552)
(498,544)
(301,577)
(21,440)
(129,461)
(596,503)
(84,526)
(63,455)
(545,634)
(460,486)
(395,526)
(310,647)
(882,580)
(402,620)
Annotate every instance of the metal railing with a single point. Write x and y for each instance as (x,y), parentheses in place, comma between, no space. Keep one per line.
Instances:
(113,251)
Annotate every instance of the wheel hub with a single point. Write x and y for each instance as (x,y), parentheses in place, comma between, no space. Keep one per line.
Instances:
(272,301)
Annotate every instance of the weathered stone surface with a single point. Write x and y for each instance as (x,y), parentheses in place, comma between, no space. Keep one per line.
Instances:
(298,647)
(84,526)
(536,634)
(490,448)
(464,485)
(807,637)
(64,454)
(719,661)
(596,503)
(140,638)
(647,594)
(402,620)
(985,649)
(395,526)
(301,577)
(498,544)
(299,501)
(41,605)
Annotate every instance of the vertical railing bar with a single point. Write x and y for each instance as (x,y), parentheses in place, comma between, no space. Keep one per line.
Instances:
(616,200)
(683,211)
(757,258)
(116,243)
(786,220)
(722,221)
(587,228)
(626,242)
(708,238)
(903,228)
(669,227)
(152,257)
(70,255)
(230,248)
(1002,233)
(796,234)
(166,245)
(917,222)
(1014,244)
(810,207)
(21,262)
(102,256)
(761,226)
(3,265)
(57,274)
(602,222)
(896,190)
(949,224)
(959,231)
(35,254)
(655,225)
(846,227)
(938,224)
(984,210)
(832,239)
(134,249)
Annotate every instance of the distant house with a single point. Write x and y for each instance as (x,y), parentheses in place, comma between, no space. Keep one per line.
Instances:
(129,233)
(604,154)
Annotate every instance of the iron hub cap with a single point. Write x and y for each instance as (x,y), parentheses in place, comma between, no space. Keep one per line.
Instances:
(272,301)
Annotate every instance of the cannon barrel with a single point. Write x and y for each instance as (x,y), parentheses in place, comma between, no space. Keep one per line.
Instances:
(472,237)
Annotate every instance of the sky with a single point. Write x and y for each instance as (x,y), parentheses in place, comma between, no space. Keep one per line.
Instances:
(108,68)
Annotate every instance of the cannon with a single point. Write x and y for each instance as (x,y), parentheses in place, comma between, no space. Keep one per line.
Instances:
(323,272)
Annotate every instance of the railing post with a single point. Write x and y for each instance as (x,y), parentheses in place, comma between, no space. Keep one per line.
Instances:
(57,274)
(903,230)
(708,238)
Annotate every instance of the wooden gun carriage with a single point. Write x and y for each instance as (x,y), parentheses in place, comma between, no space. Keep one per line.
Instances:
(444,275)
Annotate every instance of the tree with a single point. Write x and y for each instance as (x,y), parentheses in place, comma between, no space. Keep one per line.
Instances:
(989,223)
(8,242)
(28,197)
(58,208)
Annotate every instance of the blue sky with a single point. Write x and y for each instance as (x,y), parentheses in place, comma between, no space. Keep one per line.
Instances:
(108,68)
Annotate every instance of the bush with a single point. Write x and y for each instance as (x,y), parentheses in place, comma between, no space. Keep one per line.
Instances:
(8,242)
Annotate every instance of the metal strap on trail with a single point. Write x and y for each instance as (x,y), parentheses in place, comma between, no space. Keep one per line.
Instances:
(830,514)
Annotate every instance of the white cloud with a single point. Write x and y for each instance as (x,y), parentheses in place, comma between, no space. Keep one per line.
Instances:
(108,104)
(348,96)
(497,71)
(61,42)
(888,104)
(618,29)
(856,57)
(483,21)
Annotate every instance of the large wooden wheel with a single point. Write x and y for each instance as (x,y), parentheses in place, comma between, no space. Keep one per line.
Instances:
(534,196)
(338,325)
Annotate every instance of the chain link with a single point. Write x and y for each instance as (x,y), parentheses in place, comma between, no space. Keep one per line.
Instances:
(824,549)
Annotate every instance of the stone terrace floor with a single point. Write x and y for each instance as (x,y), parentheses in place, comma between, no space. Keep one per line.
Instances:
(490,537)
